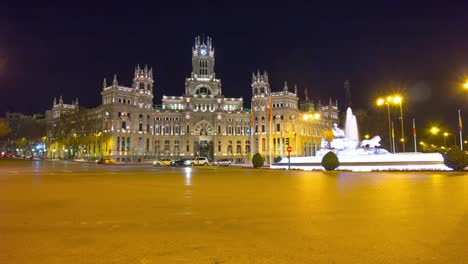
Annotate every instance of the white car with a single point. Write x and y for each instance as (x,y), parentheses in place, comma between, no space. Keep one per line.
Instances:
(223,162)
(203,161)
(162,162)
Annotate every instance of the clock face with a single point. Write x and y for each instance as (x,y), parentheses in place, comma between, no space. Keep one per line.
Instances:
(203,52)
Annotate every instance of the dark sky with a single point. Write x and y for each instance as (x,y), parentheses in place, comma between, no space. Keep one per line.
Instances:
(55,49)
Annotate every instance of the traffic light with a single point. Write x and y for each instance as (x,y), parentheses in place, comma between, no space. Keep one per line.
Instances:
(287,141)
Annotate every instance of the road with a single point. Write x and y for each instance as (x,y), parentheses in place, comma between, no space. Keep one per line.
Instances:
(60,212)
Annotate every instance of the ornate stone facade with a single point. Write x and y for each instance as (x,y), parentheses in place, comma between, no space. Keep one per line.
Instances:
(202,122)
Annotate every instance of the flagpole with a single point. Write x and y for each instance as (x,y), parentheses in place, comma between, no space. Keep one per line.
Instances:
(270,117)
(414,135)
(393,138)
(460,126)
(252,131)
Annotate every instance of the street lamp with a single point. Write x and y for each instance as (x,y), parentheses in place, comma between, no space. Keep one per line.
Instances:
(434,130)
(445,138)
(398,100)
(381,102)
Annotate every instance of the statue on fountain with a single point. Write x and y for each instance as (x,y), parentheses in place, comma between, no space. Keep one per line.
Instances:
(338,132)
(346,142)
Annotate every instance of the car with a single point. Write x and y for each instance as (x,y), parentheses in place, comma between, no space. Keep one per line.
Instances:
(162,162)
(223,162)
(180,162)
(203,161)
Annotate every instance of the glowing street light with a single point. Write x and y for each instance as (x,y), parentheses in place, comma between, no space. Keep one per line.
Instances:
(380,102)
(445,138)
(399,100)
(434,130)
(465,85)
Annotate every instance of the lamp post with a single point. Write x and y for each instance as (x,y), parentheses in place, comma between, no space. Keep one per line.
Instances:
(398,100)
(381,102)
(445,138)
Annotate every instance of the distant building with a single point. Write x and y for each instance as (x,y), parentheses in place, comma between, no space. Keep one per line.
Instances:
(201,122)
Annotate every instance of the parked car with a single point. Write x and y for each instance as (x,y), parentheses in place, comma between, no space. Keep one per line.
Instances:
(162,162)
(223,162)
(203,161)
(180,162)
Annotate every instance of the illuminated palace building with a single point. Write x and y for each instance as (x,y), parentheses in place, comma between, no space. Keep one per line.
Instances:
(127,126)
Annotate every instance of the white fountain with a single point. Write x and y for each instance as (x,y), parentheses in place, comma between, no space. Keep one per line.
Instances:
(363,155)
(346,142)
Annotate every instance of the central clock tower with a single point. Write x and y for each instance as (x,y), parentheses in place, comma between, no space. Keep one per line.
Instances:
(203,80)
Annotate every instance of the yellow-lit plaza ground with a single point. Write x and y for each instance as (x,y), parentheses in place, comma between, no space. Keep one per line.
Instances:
(63,212)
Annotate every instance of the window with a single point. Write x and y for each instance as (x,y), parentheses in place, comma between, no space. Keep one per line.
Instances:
(157,147)
(176,146)
(263,144)
(157,129)
(176,129)
(187,130)
(203,91)
(140,127)
(278,127)
(263,128)
(124,125)
(119,114)
(166,146)
(147,128)
(239,150)
(219,129)
(219,146)
(167,130)
(147,144)
(187,147)
(142,86)
(118,143)
(128,144)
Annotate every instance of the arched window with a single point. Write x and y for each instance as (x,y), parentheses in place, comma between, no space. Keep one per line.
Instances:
(142,86)
(203,91)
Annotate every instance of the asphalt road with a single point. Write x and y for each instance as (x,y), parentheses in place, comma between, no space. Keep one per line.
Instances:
(59,212)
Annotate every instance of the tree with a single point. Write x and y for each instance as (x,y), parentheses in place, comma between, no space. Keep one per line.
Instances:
(4,128)
(257,160)
(456,159)
(330,161)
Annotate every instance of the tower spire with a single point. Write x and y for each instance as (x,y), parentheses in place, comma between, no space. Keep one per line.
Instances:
(306,95)
(115,82)
(55,101)
(104,83)
(285,88)
(295,89)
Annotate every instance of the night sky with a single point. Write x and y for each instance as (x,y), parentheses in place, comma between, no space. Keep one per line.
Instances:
(421,51)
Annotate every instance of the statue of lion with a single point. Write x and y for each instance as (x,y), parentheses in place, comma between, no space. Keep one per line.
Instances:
(371,143)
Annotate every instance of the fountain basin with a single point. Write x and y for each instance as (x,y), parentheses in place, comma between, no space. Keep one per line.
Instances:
(400,161)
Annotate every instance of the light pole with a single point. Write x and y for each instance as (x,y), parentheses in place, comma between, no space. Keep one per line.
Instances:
(381,102)
(445,138)
(398,100)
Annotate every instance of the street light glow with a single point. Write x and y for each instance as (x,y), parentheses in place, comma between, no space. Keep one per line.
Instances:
(465,85)
(434,130)
(380,101)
